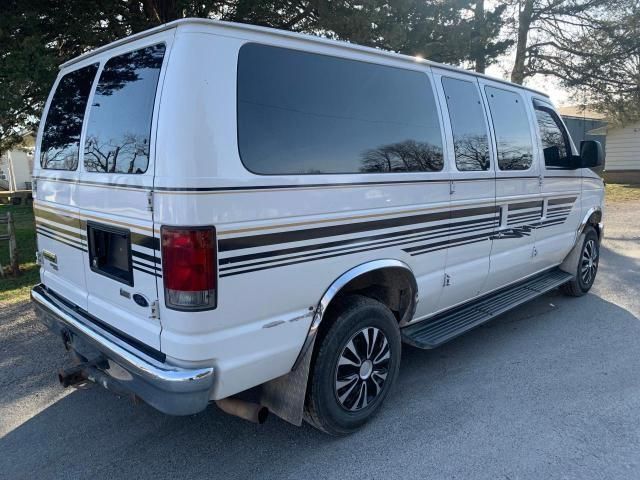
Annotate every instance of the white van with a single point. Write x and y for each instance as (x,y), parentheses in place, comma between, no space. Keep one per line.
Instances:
(225,209)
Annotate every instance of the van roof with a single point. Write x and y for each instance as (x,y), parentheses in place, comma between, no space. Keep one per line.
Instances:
(286,34)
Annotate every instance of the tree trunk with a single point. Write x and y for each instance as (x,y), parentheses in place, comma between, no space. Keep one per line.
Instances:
(480,57)
(524,24)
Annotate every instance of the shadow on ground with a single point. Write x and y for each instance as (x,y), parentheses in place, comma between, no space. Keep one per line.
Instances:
(530,388)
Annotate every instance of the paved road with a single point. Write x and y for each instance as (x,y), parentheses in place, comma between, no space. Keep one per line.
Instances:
(551,390)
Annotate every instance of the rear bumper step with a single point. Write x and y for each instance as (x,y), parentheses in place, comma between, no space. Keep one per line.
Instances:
(170,389)
(436,331)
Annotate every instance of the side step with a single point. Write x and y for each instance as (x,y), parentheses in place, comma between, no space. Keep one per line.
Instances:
(448,325)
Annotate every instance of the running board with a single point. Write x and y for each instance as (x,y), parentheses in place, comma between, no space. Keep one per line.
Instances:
(446,326)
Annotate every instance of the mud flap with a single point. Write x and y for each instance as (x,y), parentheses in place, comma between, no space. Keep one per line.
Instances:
(570,262)
(284,396)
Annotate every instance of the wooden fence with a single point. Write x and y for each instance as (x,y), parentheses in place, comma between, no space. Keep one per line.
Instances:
(9,236)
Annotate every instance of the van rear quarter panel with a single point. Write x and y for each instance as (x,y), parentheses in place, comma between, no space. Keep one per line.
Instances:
(262,317)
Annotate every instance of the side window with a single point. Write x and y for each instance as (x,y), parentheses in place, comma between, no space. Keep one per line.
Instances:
(61,133)
(555,143)
(513,136)
(120,116)
(470,137)
(305,113)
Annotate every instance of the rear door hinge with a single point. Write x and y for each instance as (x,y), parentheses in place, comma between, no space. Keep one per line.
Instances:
(447,280)
(534,252)
(540,180)
(155,310)
(150,201)
(452,187)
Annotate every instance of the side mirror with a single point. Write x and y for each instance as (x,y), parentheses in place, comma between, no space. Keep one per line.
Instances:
(553,159)
(591,154)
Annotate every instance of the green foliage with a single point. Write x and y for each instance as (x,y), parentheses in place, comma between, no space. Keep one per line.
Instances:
(38,35)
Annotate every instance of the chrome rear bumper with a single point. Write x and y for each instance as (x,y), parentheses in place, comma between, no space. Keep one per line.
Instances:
(170,389)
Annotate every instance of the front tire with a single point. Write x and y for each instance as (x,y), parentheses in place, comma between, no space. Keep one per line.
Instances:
(587,265)
(355,364)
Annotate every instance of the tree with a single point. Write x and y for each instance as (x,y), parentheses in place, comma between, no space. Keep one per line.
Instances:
(441,31)
(538,23)
(38,35)
(485,45)
(600,62)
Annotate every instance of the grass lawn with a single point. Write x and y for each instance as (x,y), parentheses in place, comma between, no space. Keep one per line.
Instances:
(617,192)
(14,290)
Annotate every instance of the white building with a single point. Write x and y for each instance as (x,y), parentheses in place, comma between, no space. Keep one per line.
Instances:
(16,166)
(623,154)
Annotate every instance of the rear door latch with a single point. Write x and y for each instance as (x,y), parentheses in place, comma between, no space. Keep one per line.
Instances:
(155,310)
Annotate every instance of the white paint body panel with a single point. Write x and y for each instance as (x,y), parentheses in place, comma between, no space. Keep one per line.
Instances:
(262,317)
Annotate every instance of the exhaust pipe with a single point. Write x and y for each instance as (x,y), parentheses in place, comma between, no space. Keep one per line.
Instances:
(247,410)
(72,376)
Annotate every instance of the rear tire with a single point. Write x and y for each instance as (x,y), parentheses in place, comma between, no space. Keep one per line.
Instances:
(354,366)
(587,265)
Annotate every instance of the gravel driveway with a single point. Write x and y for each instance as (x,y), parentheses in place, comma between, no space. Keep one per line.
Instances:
(550,390)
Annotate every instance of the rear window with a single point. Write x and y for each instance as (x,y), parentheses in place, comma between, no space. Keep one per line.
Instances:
(304,113)
(119,126)
(61,133)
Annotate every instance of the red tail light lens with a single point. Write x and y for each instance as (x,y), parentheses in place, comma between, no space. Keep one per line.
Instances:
(189,267)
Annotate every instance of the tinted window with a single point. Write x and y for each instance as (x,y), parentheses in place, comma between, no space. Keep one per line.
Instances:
(301,113)
(120,116)
(555,144)
(513,136)
(61,134)
(470,138)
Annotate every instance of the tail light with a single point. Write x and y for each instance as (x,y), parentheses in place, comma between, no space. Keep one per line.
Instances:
(189,267)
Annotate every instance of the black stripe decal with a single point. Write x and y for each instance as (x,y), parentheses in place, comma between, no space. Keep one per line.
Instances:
(145,265)
(148,272)
(418,249)
(453,243)
(523,221)
(380,245)
(560,201)
(144,256)
(524,214)
(307,260)
(560,209)
(287,251)
(522,206)
(146,241)
(53,229)
(58,239)
(238,243)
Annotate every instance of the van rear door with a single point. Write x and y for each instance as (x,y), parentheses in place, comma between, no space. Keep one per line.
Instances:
(62,241)
(116,187)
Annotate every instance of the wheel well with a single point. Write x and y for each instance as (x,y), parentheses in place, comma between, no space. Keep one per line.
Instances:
(394,287)
(594,221)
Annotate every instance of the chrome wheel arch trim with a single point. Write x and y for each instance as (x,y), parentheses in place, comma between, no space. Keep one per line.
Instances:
(585,221)
(340,283)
